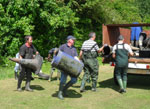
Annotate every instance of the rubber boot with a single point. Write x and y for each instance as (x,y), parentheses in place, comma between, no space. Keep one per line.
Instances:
(121,85)
(124,85)
(94,86)
(66,87)
(60,93)
(19,85)
(16,76)
(82,87)
(27,88)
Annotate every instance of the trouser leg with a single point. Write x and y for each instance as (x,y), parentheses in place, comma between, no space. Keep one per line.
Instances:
(69,84)
(28,73)
(21,77)
(119,79)
(94,73)
(16,75)
(60,93)
(124,76)
(85,78)
(17,67)
(61,85)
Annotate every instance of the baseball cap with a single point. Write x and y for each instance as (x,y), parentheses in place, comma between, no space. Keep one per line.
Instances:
(71,37)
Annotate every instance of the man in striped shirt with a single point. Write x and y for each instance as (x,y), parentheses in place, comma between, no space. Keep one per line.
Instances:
(88,54)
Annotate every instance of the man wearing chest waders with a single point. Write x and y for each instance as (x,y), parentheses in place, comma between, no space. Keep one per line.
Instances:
(120,53)
(88,54)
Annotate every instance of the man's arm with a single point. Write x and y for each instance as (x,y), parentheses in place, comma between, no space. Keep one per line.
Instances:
(80,55)
(20,57)
(22,52)
(114,52)
(49,57)
(131,54)
(130,51)
(101,49)
(37,53)
(114,55)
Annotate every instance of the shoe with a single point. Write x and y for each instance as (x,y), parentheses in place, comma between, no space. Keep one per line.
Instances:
(60,95)
(93,89)
(122,91)
(19,89)
(49,80)
(125,91)
(94,86)
(82,87)
(82,90)
(29,89)
(16,76)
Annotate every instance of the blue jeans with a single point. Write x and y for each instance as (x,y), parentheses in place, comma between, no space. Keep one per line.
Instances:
(63,78)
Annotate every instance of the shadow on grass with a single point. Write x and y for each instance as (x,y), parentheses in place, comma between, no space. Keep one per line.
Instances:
(35,87)
(71,94)
(134,81)
(52,79)
(109,83)
(87,86)
(139,81)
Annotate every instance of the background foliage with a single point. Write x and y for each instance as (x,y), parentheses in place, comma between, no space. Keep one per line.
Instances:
(51,21)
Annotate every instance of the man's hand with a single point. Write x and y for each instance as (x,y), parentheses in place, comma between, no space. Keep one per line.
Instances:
(37,53)
(49,59)
(76,58)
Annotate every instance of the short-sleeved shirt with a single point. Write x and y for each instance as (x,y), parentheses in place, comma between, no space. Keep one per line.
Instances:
(88,44)
(27,52)
(69,50)
(120,46)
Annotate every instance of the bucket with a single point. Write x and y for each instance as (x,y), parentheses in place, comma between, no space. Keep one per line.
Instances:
(67,63)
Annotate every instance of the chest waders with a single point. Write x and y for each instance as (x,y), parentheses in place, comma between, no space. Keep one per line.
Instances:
(90,68)
(121,67)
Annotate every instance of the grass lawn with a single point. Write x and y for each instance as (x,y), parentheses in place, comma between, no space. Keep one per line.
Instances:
(45,93)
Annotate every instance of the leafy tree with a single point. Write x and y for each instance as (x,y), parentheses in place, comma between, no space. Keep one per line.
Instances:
(51,21)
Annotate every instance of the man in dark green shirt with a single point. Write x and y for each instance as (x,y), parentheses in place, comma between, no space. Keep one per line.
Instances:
(120,53)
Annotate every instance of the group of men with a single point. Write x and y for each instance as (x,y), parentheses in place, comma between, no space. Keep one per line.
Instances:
(88,55)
